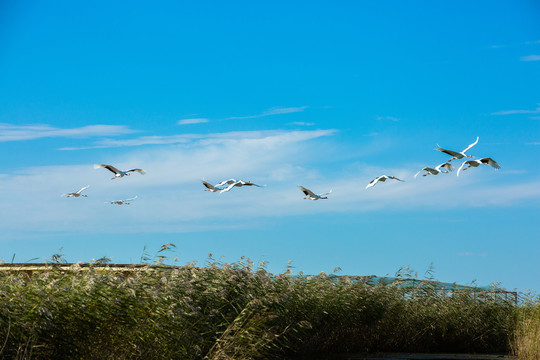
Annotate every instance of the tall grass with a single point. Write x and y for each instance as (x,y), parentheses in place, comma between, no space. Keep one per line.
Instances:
(526,344)
(234,311)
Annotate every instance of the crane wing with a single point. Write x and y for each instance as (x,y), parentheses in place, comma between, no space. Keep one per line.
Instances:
(470,146)
(133,198)
(140,171)
(418,173)
(446,166)
(249,183)
(328,193)
(82,189)
(449,152)
(490,162)
(208,185)
(462,165)
(374,181)
(108,167)
(307,192)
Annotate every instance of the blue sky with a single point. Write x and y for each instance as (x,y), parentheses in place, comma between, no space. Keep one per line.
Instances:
(319,94)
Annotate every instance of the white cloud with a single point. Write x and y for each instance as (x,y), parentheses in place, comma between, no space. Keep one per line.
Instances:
(512,112)
(270,112)
(170,195)
(192,121)
(302,123)
(10,132)
(530,58)
(499,46)
(172,199)
(391,118)
(207,139)
(513,172)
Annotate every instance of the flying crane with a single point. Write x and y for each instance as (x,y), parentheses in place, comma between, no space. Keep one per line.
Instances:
(118,173)
(77,193)
(478,162)
(381,178)
(436,170)
(458,155)
(310,195)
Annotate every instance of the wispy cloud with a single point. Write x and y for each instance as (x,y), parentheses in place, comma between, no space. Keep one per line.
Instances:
(192,121)
(270,112)
(499,46)
(514,172)
(10,132)
(391,118)
(302,123)
(278,136)
(512,112)
(143,140)
(530,58)
(172,179)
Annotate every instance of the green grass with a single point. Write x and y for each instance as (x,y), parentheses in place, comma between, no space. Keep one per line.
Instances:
(235,311)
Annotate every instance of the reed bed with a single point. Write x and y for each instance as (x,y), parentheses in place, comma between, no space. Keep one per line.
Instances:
(526,344)
(235,311)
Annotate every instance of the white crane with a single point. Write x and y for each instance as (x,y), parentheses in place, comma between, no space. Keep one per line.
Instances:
(118,173)
(122,202)
(476,163)
(310,195)
(458,155)
(436,170)
(382,178)
(77,193)
(235,183)
(226,182)
(210,187)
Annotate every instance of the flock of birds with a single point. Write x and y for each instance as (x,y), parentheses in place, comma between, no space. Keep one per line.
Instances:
(229,184)
(447,166)
(117,174)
